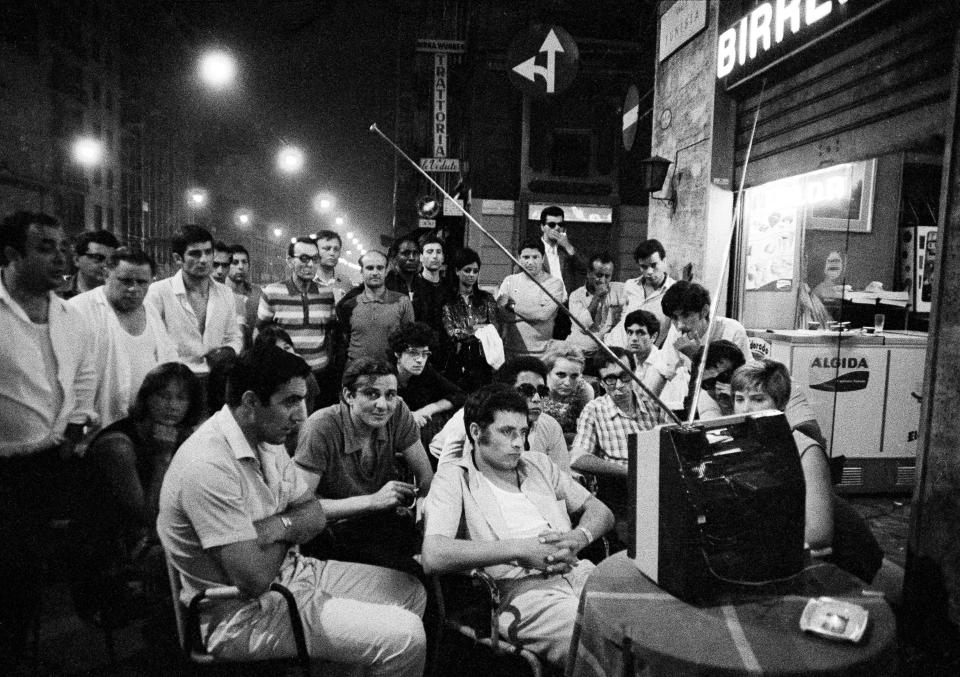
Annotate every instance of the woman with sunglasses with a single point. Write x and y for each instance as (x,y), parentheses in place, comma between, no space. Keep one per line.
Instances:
(466,311)
(429,395)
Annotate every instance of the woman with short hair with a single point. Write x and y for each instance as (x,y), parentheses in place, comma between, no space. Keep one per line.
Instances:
(569,392)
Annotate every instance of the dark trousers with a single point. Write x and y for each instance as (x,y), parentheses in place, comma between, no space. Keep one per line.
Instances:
(34,489)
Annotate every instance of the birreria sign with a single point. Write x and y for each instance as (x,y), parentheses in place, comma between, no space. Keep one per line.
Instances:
(766,26)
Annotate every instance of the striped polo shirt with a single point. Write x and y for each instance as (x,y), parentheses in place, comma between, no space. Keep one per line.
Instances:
(307,316)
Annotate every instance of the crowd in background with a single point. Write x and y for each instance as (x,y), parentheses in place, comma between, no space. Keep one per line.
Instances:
(146,412)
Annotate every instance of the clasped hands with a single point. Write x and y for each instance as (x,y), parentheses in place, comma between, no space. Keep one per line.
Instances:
(553,552)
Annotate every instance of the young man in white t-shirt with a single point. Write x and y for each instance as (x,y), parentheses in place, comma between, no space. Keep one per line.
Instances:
(515,507)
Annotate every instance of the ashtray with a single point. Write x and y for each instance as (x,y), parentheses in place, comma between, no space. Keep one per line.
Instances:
(834,619)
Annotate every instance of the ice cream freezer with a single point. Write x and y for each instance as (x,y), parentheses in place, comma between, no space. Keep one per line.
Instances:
(865,391)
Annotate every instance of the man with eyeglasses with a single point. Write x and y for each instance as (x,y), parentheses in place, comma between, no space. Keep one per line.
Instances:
(129,337)
(561,259)
(90,253)
(306,312)
(600,447)
(346,455)
(528,375)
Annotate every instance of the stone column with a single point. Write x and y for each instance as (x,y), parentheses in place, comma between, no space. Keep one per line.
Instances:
(932,586)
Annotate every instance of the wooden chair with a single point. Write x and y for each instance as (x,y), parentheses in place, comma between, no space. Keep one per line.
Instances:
(188,620)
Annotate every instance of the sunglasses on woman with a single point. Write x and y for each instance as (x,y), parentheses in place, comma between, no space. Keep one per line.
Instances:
(528,390)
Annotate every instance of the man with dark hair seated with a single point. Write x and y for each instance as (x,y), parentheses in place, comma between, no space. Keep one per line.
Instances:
(346,457)
(232,509)
(508,510)
(528,376)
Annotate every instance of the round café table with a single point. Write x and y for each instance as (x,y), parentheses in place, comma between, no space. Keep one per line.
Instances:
(628,626)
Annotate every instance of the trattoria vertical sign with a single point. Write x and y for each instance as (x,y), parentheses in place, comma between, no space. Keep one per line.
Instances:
(440,105)
(777,29)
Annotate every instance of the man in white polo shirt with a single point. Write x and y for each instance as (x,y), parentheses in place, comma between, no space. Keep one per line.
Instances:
(232,511)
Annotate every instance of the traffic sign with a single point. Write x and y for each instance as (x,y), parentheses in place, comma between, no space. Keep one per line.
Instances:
(544,60)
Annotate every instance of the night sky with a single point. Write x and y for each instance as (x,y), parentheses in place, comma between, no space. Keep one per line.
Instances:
(315,74)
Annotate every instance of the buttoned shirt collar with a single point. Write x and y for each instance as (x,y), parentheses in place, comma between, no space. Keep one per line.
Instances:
(351,443)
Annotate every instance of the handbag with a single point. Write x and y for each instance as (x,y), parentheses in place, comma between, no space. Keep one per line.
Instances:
(492,345)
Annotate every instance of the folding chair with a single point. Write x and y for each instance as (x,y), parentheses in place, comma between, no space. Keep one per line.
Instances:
(188,620)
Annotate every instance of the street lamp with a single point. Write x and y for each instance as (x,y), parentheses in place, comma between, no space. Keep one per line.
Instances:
(88,151)
(350,233)
(339,221)
(197,198)
(324,202)
(278,232)
(290,160)
(243,218)
(217,69)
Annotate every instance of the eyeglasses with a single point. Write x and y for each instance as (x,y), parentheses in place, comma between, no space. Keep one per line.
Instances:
(554,225)
(306,258)
(417,353)
(529,390)
(611,380)
(99,258)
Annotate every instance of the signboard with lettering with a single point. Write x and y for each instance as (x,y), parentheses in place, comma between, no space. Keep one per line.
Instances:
(776,29)
(447,46)
(679,24)
(440,164)
(440,105)
(426,223)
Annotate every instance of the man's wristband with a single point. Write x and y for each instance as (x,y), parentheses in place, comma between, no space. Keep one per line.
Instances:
(587,534)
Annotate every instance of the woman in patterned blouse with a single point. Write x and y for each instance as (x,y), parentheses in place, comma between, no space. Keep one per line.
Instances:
(569,392)
(471,308)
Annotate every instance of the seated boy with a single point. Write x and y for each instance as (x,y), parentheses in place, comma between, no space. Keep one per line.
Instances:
(830,522)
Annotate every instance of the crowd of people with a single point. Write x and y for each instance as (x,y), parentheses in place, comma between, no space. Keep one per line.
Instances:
(347,440)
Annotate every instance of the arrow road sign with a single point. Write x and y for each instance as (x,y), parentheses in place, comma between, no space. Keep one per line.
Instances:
(548,58)
(530,70)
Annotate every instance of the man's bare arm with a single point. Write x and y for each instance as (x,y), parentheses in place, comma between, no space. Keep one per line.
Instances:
(442,554)
(390,495)
(249,565)
(597,466)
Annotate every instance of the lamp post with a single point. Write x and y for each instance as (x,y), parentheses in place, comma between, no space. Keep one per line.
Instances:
(290,160)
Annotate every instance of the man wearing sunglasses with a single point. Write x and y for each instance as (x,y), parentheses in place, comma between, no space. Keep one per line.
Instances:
(600,446)
(90,253)
(529,376)
(306,312)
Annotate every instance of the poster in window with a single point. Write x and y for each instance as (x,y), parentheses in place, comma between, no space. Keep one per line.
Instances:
(841,197)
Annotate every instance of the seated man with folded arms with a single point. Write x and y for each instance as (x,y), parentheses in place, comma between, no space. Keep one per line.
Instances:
(528,375)
(508,510)
(232,511)
(346,456)
(831,524)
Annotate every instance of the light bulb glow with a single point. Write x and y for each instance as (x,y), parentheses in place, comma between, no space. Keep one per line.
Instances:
(290,160)
(88,151)
(218,69)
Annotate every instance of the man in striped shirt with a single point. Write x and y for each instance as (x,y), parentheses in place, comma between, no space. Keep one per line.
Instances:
(306,312)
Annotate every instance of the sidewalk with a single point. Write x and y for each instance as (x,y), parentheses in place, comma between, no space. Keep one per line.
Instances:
(71,647)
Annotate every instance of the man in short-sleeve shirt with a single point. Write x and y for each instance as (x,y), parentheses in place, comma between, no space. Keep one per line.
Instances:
(233,508)
(346,456)
(509,511)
